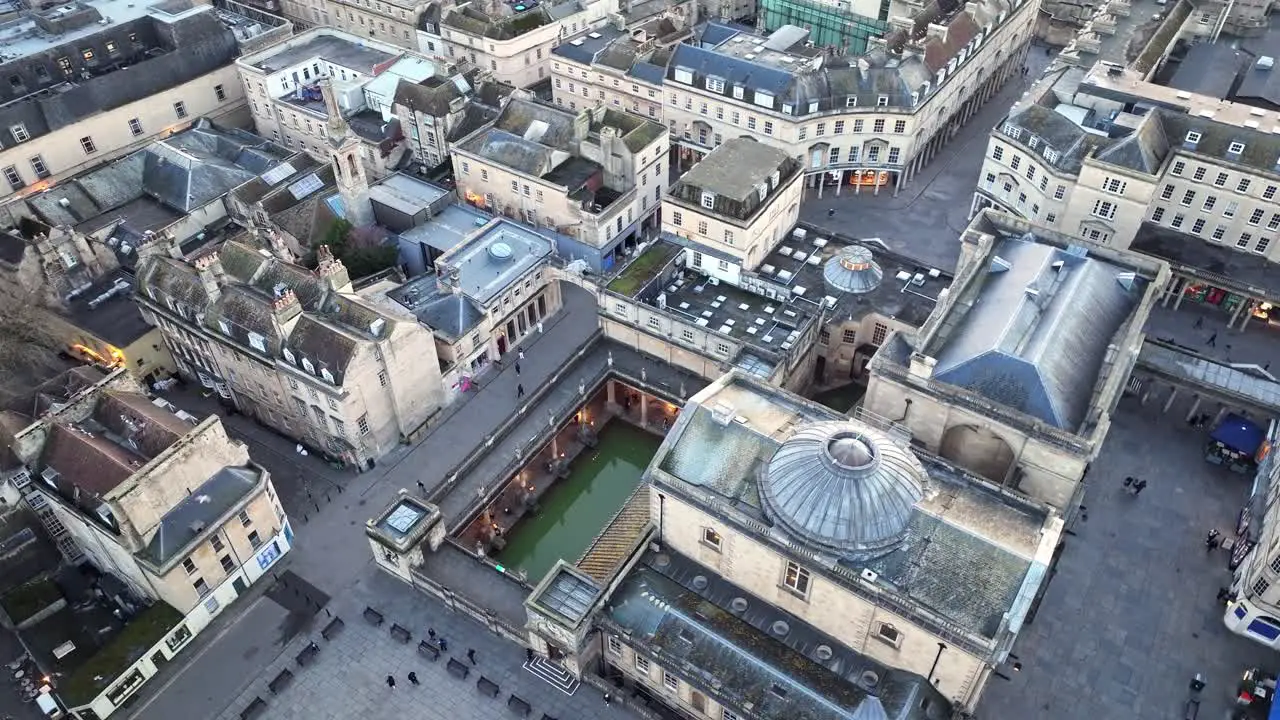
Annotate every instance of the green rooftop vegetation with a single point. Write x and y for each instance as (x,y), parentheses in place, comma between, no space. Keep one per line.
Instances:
(26,600)
(643,269)
(84,684)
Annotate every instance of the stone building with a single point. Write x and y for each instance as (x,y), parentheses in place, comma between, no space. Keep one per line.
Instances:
(489,294)
(299,350)
(802,564)
(986,384)
(67,102)
(440,111)
(394,22)
(595,177)
(513,44)
(868,121)
(170,506)
(284,85)
(1192,181)
(734,207)
(618,68)
(1253,608)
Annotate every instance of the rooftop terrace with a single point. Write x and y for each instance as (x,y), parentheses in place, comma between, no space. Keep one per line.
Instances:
(332,46)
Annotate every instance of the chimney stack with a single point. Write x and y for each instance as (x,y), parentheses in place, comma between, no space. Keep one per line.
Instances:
(209,267)
(330,269)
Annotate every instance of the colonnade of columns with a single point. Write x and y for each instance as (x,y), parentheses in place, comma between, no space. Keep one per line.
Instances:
(1153,389)
(1175,292)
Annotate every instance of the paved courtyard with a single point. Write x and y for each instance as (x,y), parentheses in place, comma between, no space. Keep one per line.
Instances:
(1131,614)
(348,678)
(925,220)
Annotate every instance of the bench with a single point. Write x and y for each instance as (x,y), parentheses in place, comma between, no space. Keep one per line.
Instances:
(457,669)
(518,707)
(401,633)
(331,630)
(487,687)
(427,649)
(254,709)
(308,654)
(280,682)
(373,617)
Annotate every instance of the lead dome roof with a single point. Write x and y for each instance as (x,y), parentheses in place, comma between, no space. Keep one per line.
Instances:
(843,487)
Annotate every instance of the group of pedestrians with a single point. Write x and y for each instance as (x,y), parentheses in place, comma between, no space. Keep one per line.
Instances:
(1134,486)
(443,643)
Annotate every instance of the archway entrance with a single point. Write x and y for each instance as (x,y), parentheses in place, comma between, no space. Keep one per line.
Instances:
(502,345)
(978,450)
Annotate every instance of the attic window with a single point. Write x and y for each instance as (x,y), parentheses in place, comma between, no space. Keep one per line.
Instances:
(328,376)
(1051,155)
(258,342)
(882,101)
(773,179)
(1012,131)
(788,108)
(224,327)
(851,101)
(683,76)
(288,355)
(763,190)
(1235,148)
(1033,142)
(813,106)
(1193,137)
(306,365)
(763,99)
(708,200)
(737,92)
(715,85)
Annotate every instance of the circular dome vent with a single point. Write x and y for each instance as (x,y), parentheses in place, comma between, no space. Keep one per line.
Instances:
(843,487)
(852,270)
(500,251)
(780,628)
(662,560)
(823,652)
(738,605)
(700,582)
(869,680)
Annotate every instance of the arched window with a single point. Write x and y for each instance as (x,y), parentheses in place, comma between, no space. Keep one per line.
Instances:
(337,166)
(351,163)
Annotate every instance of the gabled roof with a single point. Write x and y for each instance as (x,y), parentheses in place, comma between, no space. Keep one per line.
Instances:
(1038,331)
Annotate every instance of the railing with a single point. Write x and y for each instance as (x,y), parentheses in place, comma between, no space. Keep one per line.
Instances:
(460,603)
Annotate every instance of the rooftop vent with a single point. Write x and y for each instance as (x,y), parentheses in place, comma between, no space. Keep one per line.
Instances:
(999,265)
(1265,62)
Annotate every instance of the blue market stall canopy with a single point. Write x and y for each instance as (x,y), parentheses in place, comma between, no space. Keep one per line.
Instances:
(1238,434)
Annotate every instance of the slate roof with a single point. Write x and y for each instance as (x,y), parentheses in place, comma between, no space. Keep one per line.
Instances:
(1053,130)
(116,319)
(734,172)
(199,512)
(431,97)
(741,658)
(450,315)
(1223,265)
(1038,330)
(1262,149)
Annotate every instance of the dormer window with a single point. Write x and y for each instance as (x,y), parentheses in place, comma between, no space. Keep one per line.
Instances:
(224,327)
(288,355)
(737,92)
(708,200)
(1193,137)
(683,75)
(328,376)
(813,106)
(882,101)
(1235,148)
(306,365)
(715,85)
(915,99)
(773,180)
(763,99)
(258,342)
(1012,131)
(762,190)
(788,108)
(851,101)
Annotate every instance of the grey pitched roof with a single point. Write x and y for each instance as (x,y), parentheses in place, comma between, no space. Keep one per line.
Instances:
(187,521)
(732,70)
(735,169)
(1053,130)
(326,347)
(431,98)
(761,659)
(1144,150)
(1261,149)
(1037,333)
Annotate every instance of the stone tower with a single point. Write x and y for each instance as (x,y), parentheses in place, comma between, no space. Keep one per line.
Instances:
(344,155)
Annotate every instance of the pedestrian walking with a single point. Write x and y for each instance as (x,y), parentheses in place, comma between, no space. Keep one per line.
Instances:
(608,699)
(520,354)
(471,655)
(444,644)
(519,391)
(517,367)
(1222,594)
(431,633)
(422,488)
(413,679)
(1211,541)
(539,327)
(831,212)
(391,682)
(1138,487)
(1212,341)
(1128,482)
(1199,322)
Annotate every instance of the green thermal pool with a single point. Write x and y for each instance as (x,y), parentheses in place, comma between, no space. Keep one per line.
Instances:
(576,509)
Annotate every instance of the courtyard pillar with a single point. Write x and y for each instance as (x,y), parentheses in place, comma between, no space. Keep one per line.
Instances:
(857,189)
(1181,296)
(644,409)
(1218,418)
(555,446)
(840,184)
(1195,408)
(611,392)
(1235,314)
(1173,394)
(1146,395)
(1248,313)
(820,184)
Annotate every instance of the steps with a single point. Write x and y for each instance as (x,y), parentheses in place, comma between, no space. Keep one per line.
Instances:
(554,674)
